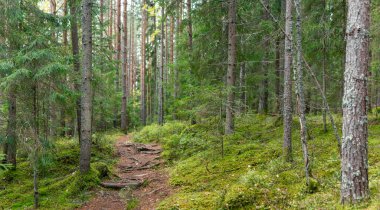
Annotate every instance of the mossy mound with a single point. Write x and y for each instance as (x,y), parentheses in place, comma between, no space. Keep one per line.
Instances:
(246,170)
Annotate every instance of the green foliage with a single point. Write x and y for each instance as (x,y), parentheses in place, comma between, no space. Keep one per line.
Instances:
(132,204)
(252,173)
(83,182)
(3,167)
(61,185)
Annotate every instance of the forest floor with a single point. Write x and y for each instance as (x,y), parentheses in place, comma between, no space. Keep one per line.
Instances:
(139,181)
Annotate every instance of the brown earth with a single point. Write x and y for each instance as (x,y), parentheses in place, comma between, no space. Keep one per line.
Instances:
(139,176)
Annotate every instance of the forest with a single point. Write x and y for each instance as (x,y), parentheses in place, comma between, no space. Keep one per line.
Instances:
(189,104)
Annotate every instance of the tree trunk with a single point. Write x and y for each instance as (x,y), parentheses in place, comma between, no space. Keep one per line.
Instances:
(300,93)
(142,75)
(36,145)
(86,100)
(264,93)
(53,11)
(278,77)
(76,60)
(324,66)
(189,24)
(11,141)
(161,75)
(124,115)
(354,187)
(229,127)
(242,88)
(176,67)
(65,40)
(287,111)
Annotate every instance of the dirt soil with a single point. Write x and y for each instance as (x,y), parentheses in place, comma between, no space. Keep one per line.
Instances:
(140,176)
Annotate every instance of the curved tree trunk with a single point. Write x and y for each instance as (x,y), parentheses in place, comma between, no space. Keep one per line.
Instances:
(300,93)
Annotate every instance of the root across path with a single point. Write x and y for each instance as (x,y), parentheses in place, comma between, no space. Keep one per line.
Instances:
(139,183)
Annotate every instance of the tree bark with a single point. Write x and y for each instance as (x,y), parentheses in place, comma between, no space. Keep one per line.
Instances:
(278,77)
(354,187)
(229,127)
(86,98)
(176,67)
(11,141)
(287,110)
(118,56)
(264,92)
(324,61)
(143,65)
(65,40)
(189,25)
(242,88)
(76,60)
(124,115)
(161,75)
(300,93)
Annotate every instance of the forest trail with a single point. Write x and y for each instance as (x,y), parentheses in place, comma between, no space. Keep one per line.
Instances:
(139,179)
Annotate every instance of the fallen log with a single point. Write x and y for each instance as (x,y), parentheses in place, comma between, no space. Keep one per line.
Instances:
(112,185)
(152,152)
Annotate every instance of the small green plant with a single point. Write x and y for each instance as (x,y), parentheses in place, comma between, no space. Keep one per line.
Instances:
(132,204)
(3,167)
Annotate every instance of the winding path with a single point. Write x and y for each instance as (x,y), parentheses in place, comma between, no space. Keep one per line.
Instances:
(139,177)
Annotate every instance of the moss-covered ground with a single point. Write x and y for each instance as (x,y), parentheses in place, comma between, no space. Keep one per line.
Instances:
(60,184)
(246,170)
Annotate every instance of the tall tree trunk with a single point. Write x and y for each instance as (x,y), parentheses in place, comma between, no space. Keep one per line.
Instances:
(324,66)
(354,187)
(176,67)
(65,40)
(287,110)
(76,60)
(300,93)
(278,76)
(124,116)
(242,88)
(11,141)
(86,100)
(264,92)
(161,75)
(36,145)
(118,56)
(142,75)
(53,11)
(229,127)
(189,24)
(65,44)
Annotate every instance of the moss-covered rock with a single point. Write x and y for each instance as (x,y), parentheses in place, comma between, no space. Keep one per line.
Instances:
(102,169)
(83,182)
(239,196)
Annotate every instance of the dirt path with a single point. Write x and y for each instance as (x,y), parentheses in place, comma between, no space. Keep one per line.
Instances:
(139,177)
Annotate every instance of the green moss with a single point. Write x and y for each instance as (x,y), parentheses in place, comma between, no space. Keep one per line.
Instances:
(60,185)
(102,169)
(252,173)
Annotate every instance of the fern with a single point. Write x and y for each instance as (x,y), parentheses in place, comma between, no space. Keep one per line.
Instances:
(3,167)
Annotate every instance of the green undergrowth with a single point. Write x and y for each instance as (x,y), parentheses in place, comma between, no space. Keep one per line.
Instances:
(61,186)
(246,170)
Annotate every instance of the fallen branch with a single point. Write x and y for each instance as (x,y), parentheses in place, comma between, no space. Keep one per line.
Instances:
(131,184)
